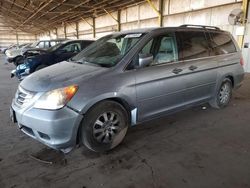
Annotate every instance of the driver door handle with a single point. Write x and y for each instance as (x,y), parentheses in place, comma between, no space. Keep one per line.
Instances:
(177,71)
(192,67)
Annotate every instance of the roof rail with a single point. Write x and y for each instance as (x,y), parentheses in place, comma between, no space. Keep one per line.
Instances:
(200,26)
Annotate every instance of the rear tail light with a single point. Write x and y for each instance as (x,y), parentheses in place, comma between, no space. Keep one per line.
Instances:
(241,61)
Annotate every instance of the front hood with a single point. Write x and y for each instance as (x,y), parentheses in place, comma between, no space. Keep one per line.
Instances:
(59,75)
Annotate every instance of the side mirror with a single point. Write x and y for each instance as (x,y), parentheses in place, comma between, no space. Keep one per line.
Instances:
(145,60)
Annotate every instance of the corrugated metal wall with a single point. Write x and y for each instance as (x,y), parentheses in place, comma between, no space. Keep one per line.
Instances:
(9,36)
(175,12)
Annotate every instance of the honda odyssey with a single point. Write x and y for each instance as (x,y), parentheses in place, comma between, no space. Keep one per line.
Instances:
(126,78)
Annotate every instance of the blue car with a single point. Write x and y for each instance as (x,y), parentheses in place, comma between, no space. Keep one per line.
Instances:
(55,54)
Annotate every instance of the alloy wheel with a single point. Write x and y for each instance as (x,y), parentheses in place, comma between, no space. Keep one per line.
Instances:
(106,127)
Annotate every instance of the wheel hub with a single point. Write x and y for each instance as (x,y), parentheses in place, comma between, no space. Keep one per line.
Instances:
(106,127)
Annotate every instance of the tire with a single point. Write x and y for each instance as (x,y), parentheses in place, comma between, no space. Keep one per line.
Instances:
(18,61)
(97,130)
(223,95)
(40,67)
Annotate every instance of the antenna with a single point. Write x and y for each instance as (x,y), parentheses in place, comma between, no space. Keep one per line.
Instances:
(236,17)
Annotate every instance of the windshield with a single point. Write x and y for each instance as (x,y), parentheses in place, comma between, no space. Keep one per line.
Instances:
(22,45)
(109,50)
(53,48)
(34,44)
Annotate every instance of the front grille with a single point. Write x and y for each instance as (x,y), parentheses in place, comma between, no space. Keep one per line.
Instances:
(23,96)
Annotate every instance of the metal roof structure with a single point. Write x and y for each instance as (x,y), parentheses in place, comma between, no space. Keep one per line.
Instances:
(36,16)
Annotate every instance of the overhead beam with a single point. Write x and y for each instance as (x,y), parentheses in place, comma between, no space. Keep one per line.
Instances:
(161,8)
(91,25)
(36,12)
(53,8)
(110,15)
(76,6)
(18,5)
(151,4)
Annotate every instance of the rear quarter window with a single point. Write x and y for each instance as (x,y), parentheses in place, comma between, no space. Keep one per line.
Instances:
(221,43)
(192,45)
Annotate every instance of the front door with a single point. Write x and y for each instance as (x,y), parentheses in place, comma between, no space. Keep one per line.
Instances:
(160,87)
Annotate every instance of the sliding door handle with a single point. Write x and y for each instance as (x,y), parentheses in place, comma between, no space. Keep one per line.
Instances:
(177,71)
(192,67)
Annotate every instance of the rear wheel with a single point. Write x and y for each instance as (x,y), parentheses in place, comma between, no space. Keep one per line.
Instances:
(223,95)
(104,126)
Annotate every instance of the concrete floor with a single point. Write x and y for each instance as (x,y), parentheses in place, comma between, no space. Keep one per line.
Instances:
(194,148)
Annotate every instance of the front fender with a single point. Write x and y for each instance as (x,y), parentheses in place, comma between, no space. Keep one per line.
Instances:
(106,96)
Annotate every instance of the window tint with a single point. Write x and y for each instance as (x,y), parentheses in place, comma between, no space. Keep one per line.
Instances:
(86,43)
(73,47)
(52,43)
(221,43)
(166,52)
(192,45)
(162,48)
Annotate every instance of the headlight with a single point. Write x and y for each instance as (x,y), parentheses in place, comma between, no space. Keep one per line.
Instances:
(56,99)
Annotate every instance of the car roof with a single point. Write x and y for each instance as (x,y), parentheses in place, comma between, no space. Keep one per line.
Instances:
(75,40)
(187,27)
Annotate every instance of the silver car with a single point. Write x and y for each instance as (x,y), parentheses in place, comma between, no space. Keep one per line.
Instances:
(124,79)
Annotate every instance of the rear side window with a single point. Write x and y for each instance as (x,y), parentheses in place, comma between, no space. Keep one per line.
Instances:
(86,43)
(52,43)
(192,45)
(221,43)
(73,47)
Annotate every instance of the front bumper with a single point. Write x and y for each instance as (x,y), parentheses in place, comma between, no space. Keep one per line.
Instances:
(56,129)
(20,72)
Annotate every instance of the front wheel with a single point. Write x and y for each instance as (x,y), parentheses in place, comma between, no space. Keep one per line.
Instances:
(18,61)
(104,126)
(223,95)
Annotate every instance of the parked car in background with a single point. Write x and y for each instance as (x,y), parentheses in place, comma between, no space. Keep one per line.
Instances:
(3,49)
(14,54)
(124,79)
(60,52)
(12,46)
(17,55)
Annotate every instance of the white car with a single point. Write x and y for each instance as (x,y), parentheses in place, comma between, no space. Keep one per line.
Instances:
(14,54)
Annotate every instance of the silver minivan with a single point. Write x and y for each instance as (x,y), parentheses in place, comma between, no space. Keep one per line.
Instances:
(126,78)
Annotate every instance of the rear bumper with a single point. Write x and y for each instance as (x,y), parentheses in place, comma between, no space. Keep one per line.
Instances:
(56,129)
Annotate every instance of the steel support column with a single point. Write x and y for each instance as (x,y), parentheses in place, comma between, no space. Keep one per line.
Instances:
(159,12)
(245,4)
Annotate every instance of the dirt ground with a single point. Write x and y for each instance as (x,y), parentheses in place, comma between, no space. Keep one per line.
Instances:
(197,148)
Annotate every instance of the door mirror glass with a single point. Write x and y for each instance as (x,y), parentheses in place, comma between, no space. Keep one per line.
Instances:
(145,60)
